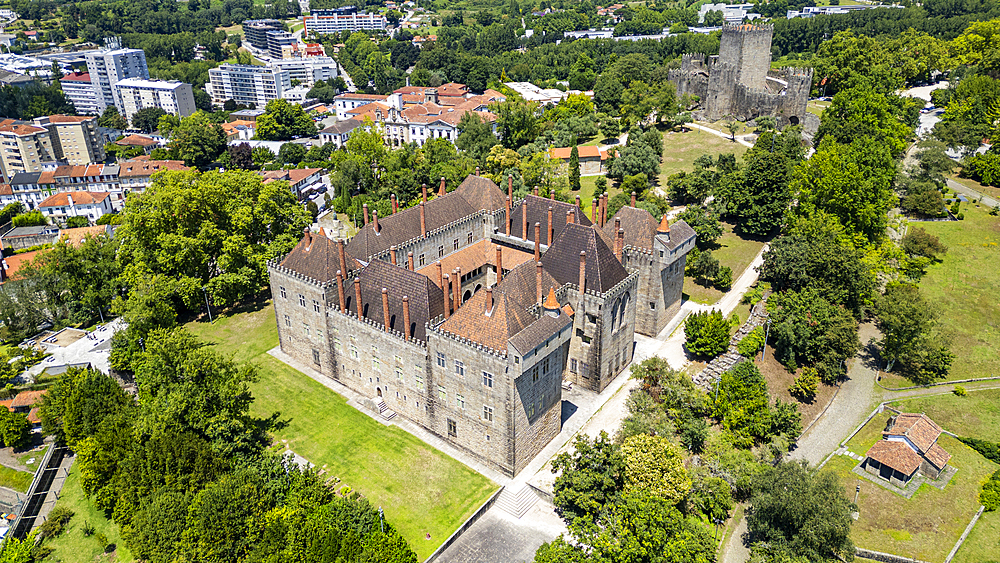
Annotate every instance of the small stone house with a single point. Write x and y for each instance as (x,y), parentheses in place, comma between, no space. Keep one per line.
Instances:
(908,446)
(591,158)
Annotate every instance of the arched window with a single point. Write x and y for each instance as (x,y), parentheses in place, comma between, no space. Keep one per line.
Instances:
(614,313)
(625,301)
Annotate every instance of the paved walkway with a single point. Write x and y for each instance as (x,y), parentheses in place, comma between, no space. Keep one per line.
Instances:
(725,136)
(972,194)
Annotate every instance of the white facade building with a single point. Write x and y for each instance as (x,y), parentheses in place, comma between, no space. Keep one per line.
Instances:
(324,22)
(307,70)
(76,204)
(108,67)
(79,90)
(247,84)
(172,96)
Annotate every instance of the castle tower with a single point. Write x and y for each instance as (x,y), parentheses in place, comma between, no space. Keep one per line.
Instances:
(748,48)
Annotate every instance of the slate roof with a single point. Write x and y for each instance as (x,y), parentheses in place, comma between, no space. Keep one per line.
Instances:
(896,455)
(341,127)
(640,229)
(426,299)
(400,227)
(538,332)
(537,208)
(25,177)
(316,257)
(918,428)
(562,259)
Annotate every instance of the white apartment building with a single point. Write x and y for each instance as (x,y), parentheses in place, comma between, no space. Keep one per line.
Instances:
(324,22)
(77,204)
(247,84)
(79,90)
(108,67)
(347,101)
(307,70)
(171,96)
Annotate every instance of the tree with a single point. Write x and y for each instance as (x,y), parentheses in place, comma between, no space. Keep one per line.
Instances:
(574,169)
(910,335)
(864,113)
(475,136)
(733,126)
(112,119)
(262,155)
(283,120)
(147,119)
(918,242)
(706,333)
(291,153)
(704,267)
(30,219)
(704,222)
(516,122)
(807,329)
(590,477)
(198,140)
(241,156)
(757,195)
(77,221)
(654,466)
(15,430)
(800,514)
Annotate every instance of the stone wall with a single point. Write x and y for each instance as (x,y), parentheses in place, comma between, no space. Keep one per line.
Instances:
(302,330)
(883,557)
(537,412)
(714,370)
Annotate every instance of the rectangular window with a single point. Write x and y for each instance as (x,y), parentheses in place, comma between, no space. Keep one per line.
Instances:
(452,428)
(418,381)
(625,354)
(319,334)
(585,369)
(440,359)
(399,374)
(440,251)
(288,321)
(545,366)
(398,359)
(316,357)
(488,379)
(652,305)
(534,373)
(531,410)
(337,345)
(487,413)
(305,328)
(460,402)
(421,260)
(454,244)
(572,365)
(315,305)
(469,238)
(442,394)
(459,367)
(302,300)
(354,351)
(283,294)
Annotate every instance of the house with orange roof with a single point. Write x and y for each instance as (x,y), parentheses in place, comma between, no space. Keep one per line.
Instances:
(300,180)
(909,446)
(239,130)
(77,236)
(136,175)
(591,158)
(10,265)
(92,205)
(350,100)
(97,178)
(146,142)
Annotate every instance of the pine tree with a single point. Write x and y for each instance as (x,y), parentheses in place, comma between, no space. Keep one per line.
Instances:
(574,169)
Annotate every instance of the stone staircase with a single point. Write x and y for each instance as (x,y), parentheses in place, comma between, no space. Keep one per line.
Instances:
(723,363)
(383,409)
(517,502)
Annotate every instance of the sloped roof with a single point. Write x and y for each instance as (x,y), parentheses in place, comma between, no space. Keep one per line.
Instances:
(316,257)
(59,118)
(79,198)
(641,228)
(473,256)
(562,259)
(400,227)
(75,237)
(25,177)
(564,153)
(918,428)
(76,77)
(15,262)
(539,331)
(143,166)
(896,455)
(294,175)
(341,127)
(137,141)
(537,208)
(426,299)
(28,398)
(938,456)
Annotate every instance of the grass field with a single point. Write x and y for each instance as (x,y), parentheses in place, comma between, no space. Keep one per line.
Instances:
(681,149)
(72,546)
(422,490)
(963,289)
(976,415)
(927,525)
(983,543)
(14,479)
(586,193)
(731,250)
(970,183)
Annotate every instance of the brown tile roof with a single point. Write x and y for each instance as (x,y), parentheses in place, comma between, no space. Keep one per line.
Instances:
(918,428)
(137,141)
(28,398)
(398,228)
(896,455)
(539,331)
(59,118)
(473,256)
(562,259)
(47,177)
(316,257)
(10,126)
(33,416)
(426,299)
(15,262)
(641,228)
(5,189)
(537,208)
(142,166)
(294,175)
(354,96)
(79,198)
(76,237)
(78,171)
(7,403)
(938,456)
(564,153)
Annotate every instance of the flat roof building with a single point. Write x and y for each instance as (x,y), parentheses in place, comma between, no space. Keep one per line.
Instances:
(80,90)
(172,96)
(107,67)
(247,84)
(325,22)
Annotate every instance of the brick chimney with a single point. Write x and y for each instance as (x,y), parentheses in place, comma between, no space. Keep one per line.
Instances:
(524,220)
(447,296)
(423,220)
(423,191)
(307,234)
(619,244)
(457,286)
(440,279)
(510,186)
(535,191)
(385,308)
(409,261)
(548,236)
(477,171)
(538,283)
(343,256)
(552,195)
(365,206)
(357,295)
(392,254)
(538,241)
(593,211)
(499,263)
(583,287)
(340,291)
(375,220)
(604,211)
(578,202)
(395,204)
(406,317)
(633,200)
(442,191)
(507,218)
(489,301)
(569,217)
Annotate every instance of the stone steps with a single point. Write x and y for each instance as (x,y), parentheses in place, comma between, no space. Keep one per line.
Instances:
(383,409)
(723,363)
(517,503)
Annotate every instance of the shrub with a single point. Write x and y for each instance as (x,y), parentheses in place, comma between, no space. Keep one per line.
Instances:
(707,334)
(756,293)
(959,390)
(88,529)
(693,433)
(56,521)
(805,385)
(724,279)
(102,540)
(751,343)
(989,496)
(995,211)
(960,216)
(989,450)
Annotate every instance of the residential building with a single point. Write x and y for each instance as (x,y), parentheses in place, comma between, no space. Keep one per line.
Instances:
(459,317)
(24,147)
(10,265)
(255,31)
(109,66)
(350,100)
(300,180)
(92,205)
(296,95)
(325,22)
(813,11)
(239,130)
(94,178)
(145,142)
(533,93)
(74,138)
(20,238)
(280,44)
(79,89)
(307,70)
(591,159)
(247,84)
(136,175)
(339,132)
(909,445)
(30,188)
(172,96)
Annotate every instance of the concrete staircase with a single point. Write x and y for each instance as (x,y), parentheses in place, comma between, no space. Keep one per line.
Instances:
(517,502)
(383,409)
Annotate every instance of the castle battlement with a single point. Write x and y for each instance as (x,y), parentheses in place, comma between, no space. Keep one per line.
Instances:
(352,318)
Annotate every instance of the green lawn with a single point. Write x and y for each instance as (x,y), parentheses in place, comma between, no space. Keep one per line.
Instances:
(731,250)
(963,289)
(14,479)
(422,490)
(72,546)
(976,415)
(587,195)
(927,525)
(983,543)
(681,149)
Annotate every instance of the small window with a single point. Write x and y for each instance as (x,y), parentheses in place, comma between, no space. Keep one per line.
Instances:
(459,367)
(316,357)
(302,300)
(652,305)
(418,381)
(452,428)
(305,328)
(398,359)
(421,260)
(488,414)
(625,353)
(440,359)
(454,244)
(585,369)
(469,238)
(337,345)
(315,305)
(517,360)
(399,374)
(354,351)
(545,366)
(459,402)
(531,410)
(283,294)
(440,251)
(442,394)
(319,334)
(534,373)
(572,365)
(488,379)
(288,321)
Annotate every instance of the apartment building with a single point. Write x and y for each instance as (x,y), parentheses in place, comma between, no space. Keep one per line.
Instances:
(247,84)
(30,188)
(280,43)
(92,205)
(308,70)
(74,138)
(172,96)
(255,31)
(325,22)
(23,147)
(79,89)
(109,66)
(137,174)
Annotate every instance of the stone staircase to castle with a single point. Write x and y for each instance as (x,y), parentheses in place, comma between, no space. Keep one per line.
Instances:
(383,409)
(517,502)
(723,363)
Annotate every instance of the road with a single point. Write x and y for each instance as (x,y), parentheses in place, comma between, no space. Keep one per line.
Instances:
(972,194)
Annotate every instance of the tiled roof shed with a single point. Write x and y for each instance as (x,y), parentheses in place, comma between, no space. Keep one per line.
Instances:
(918,428)
(896,455)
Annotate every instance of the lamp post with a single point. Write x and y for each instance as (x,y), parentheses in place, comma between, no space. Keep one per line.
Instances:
(207,306)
